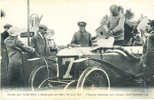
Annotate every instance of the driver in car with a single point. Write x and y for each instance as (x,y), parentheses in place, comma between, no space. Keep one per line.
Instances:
(82,37)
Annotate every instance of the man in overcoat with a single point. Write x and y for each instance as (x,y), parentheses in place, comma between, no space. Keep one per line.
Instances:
(40,42)
(15,47)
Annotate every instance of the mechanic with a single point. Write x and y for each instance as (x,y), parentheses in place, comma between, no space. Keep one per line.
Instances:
(15,48)
(116,24)
(82,37)
(40,42)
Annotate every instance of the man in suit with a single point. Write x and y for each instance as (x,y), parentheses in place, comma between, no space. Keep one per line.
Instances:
(15,48)
(40,43)
(82,37)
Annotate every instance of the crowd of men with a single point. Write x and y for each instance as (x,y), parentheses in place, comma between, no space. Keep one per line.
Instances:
(112,28)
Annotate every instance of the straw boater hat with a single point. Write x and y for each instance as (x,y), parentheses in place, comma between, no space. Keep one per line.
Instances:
(14,31)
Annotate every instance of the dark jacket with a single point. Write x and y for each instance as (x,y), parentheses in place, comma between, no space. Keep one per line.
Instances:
(15,48)
(41,46)
(5,59)
(83,39)
(148,58)
(4,35)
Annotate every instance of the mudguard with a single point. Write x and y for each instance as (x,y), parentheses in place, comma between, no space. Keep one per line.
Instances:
(122,61)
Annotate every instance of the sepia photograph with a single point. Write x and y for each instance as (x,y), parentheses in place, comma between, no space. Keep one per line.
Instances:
(76,49)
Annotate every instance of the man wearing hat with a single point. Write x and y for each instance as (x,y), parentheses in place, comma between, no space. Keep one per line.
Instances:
(5,34)
(39,42)
(82,37)
(15,48)
(150,30)
(4,61)
(148,55)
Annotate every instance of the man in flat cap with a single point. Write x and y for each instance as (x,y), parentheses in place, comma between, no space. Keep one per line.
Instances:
(15,47)
(4,61)
(82,37)
(39,42)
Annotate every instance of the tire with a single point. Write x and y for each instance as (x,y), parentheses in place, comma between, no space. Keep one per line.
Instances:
(94,78)
(53,84)
(71,85)
(40,74)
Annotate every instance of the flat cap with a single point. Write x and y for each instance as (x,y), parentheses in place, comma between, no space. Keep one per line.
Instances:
(7,25)
(43,27)
(82,23)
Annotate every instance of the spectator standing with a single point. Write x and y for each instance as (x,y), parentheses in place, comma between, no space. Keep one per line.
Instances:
(40,42)
(4,55)
(15,48)
(82,37)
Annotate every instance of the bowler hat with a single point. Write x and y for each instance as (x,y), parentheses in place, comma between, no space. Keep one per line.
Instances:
(7,26)
(82,23)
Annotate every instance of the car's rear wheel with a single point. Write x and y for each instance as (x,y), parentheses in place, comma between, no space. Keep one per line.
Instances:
(94,78)
(40,74)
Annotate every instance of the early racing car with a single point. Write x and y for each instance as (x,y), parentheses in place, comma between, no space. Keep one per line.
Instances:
(86,67)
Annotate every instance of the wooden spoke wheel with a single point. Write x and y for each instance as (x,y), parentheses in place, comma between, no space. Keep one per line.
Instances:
(51,84)
(40,74)
(94,78)
(71,85)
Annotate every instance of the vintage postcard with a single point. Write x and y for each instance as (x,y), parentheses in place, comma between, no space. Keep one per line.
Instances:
(77,49)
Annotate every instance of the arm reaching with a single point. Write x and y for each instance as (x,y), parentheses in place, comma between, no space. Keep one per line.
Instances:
(120,26)
(24,47)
